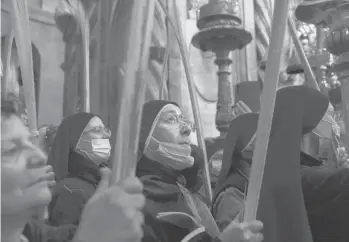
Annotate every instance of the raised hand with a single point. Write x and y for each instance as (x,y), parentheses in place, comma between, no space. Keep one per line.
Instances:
(240,108)
(113,213)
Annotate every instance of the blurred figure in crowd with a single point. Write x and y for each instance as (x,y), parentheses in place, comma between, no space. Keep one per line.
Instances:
(81,147)
(112,214)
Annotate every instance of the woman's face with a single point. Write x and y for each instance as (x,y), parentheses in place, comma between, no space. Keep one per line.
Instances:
(22,189)
(95,129)
(94,142)
(172,127)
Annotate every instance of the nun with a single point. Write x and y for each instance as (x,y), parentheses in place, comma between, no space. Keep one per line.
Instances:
(81,147)
(167,164)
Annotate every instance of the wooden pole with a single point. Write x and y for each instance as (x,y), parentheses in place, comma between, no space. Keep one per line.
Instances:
(22,33)
(165,70)
(84,24)
(268,96)
(127,135)
(6,68)
(21,28)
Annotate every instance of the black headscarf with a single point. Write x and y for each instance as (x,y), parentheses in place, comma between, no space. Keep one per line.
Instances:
(150,111)
(160,182)
(67,137)
(246,124)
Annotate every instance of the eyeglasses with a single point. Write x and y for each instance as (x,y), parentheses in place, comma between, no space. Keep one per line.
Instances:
(180,119)
(100,129)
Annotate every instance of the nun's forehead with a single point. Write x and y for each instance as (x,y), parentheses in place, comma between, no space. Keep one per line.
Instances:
(171,108)
(94,122)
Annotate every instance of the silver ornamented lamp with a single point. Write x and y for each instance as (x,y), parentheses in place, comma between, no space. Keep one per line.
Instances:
(221,32)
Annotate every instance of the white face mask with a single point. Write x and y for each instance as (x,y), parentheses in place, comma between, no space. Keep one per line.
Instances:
(101,147)
(95,148)
(169,154)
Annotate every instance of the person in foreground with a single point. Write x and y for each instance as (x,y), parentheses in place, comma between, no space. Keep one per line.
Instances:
(112,214)
(165,156)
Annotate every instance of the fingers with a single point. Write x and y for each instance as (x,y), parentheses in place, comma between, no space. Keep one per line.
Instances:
(240,108)
(49,176)
(38,194)
(254,226)
(252,231)
(247,232)
(252,237)
(258,237)
(105,174)
(137,222)
(37,158)
(105,179)
(244,108)
(132,185)
(128,208)
(134,215)
(44,173)
(136,201)
(116,195)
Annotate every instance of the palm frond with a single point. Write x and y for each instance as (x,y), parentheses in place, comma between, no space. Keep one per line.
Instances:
(192,235)
(207,219)
(190,202)
(6,67)
(131,99)
(83,20)
(181,220)
(201,212)
(21,28)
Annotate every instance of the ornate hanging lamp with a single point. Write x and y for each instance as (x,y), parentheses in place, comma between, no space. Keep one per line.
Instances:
(221,32)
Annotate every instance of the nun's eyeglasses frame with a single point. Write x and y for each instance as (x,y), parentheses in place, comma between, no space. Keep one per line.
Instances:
(99,129)
(181,119)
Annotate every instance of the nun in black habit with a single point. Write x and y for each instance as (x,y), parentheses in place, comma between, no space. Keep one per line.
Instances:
(80,149)
(325,190)
(168,161)
(165,158)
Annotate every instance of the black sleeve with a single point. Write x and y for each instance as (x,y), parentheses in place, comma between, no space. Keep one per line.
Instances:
(66,207)
(38,231)
(152,230)
(326,191)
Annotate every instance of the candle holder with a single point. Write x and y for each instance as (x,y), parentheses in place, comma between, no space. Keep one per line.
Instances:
(221,32)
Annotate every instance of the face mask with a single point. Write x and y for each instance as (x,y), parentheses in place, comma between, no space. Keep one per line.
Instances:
(97,150)
(171,155)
